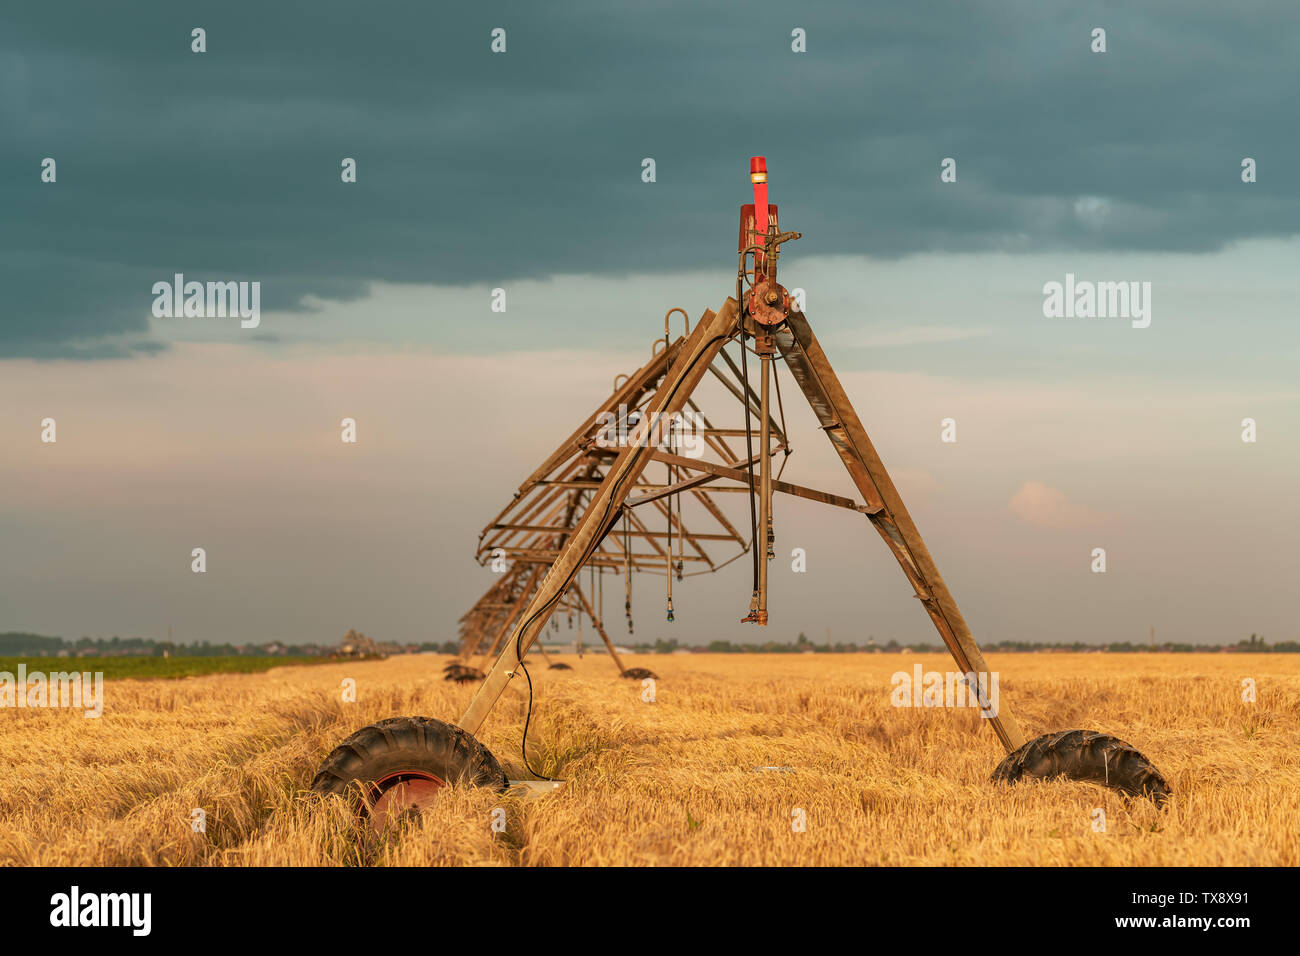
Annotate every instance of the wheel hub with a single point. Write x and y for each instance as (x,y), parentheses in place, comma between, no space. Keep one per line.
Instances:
(400,792)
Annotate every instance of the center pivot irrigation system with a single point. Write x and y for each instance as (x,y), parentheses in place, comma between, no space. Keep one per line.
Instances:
(592,504)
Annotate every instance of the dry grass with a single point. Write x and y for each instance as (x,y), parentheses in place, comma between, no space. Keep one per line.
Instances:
(671,783)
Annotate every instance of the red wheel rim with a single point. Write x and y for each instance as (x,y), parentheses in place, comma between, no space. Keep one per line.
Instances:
(402,791)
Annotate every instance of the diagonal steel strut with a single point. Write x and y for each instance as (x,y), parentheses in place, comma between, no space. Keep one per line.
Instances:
(684,373)
(812,370)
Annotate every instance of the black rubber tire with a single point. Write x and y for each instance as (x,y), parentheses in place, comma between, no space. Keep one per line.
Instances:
(560,667)
(408,743)
(639,673)
(1086,755)
(465,676)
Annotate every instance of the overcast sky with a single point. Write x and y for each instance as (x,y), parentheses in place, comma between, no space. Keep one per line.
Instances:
(522,170)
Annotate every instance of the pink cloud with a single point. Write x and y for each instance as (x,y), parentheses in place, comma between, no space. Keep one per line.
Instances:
(1047,507)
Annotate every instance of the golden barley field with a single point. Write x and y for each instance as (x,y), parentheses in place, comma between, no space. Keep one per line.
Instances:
(673,782)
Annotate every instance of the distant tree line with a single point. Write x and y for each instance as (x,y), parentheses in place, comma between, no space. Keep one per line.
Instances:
(802,645)
(18,644)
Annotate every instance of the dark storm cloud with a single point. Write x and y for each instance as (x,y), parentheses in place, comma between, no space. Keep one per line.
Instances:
(479,167)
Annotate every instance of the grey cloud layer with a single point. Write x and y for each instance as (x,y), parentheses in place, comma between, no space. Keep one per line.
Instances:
(477,167)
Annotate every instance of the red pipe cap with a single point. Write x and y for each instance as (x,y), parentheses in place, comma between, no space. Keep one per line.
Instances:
(758,164)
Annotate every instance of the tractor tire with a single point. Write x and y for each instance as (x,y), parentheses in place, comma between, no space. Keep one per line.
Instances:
(465,676)
(560,667)
(1086,755)
(639,673)
(402,762)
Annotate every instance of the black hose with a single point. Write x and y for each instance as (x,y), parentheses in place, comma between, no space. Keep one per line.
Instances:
(606,523)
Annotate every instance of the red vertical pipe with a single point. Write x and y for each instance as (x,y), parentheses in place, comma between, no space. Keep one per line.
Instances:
(758,176)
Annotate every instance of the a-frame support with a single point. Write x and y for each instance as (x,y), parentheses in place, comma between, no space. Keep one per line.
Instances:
(811,369)
(684,373)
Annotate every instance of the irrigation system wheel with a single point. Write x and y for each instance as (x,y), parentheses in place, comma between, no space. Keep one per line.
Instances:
(401,763)
(461,673)
(1086,755)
